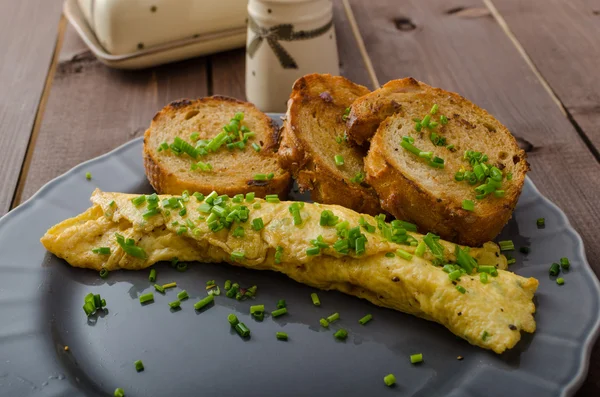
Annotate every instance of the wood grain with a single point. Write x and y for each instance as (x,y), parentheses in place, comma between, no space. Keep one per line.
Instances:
(28,33)
(562,39)
(457,45)
(228,69)
(93,109)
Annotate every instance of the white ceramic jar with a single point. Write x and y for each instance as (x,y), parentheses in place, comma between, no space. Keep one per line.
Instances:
(286,40)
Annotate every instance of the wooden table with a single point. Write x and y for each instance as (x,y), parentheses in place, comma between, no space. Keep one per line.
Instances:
(532,63)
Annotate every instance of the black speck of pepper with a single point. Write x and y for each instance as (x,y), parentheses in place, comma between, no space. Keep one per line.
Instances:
(140,46)
(269,10)
(460,313)
(512,327)
(153,9)
(454,283)
(497,255)
(395,279)
(253,73)
(501,309)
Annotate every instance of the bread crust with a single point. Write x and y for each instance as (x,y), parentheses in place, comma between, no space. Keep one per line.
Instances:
(301,143)
(166,180)
(404,194)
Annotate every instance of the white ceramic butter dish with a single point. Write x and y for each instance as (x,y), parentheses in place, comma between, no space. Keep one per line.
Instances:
(133,34)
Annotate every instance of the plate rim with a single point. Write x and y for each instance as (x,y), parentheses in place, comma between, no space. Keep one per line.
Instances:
(568,389)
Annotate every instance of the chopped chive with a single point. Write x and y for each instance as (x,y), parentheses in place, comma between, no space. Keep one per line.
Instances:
(484,336)
(420,250)
(181,267)
(278,254)
(315,299)
(128,246)
(159,288)
(182,295)
(461,289)
(101,250)
(389,380)
(203,302)
(260,177)
(89,308)
(152,276)
(257,224)
(139,366)
(231,292)
(483,277)
(312,251)
(256,206)
(210,283)
(88,176)
(506,245)
(333,317)
(242,330)
(468,205)
(416,358)
(365,319)
(324,323)
(257,308)
(103,273)
(256,148)
(509,176)
(341,334)
(491,270)
(237,256)
(541,223)
(170,285)
(389,255)
(510,260)
(139,200)
(564,263)
(339,160)
(403,254)
(443,120)
(454,275)
(250,197)
(175,304)
(554,269)
(434,109)
(119,392)
(281,304)
(279,312)
(270,175)
(233,320)
(146,297)
(272,198)
(227,285)
(281,336)
(358,178)
(560,281)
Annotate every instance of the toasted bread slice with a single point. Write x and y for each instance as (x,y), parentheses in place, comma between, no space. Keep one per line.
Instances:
(233,170)
(411,189)
(368,111)
(313,134)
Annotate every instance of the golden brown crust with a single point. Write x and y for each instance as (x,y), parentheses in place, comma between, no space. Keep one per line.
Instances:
(368,111)
(165,179)
(308,143)
(402,180)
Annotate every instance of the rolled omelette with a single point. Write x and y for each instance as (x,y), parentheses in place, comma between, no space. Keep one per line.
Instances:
(489,315)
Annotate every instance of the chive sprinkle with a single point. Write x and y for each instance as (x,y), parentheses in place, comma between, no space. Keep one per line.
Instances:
(281,336)
(203,302)
(88,175)
(175,304)
(279,312)
(506,245)
(255,147)
(365,319)
(416,358)
(565,264)
(242,330)
(152,276)
(103,273)
(170,285)
(560,281)
(541,223)
(149,297)
(339,160)
(554,269)
(483,277)
(233,320)
(468,205)
(341,334)
(389,380)
(272,198)
(159,288)
(257,308)
(281,304)
(101,250)
(461,289)
(324,323)
(119,392)
(260,177)
(139,366)
(420,250)
(182,295)
(315,299)
(257,224)
(333,317)
(403,254)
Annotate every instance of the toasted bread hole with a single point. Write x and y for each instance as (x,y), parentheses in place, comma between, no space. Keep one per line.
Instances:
(191,114)
(502,155)
(516,159)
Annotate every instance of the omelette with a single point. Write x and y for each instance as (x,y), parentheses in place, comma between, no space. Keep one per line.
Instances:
(314,245)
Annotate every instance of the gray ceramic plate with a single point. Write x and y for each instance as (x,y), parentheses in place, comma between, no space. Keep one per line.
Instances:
(195,354)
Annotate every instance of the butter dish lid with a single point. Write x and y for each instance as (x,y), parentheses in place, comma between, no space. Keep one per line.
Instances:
(133,41)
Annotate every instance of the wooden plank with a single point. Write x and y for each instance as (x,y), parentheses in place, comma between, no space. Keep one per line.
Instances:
(458,45)
(28,32)
(228,69)
(561,39)
(93,109)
